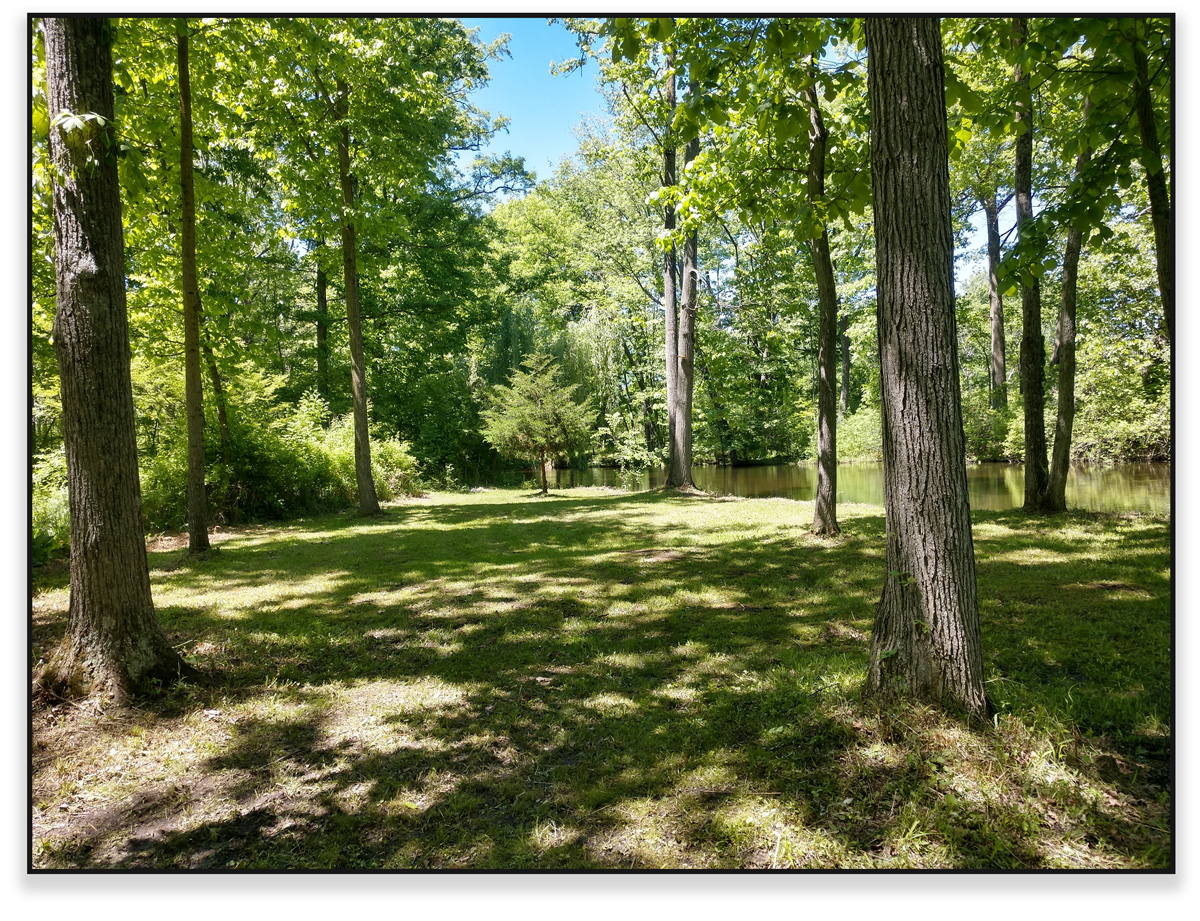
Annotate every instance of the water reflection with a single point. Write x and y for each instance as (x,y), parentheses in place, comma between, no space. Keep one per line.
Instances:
(994,487)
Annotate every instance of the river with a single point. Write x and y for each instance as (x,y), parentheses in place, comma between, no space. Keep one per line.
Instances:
(994,487)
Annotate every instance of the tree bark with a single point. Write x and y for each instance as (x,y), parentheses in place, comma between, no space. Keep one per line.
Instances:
(1064,358)
(193,379)
(114,643)
(998,372)
(368,504)
(926,640)
(825,506)
(1156,183)
(1033,343)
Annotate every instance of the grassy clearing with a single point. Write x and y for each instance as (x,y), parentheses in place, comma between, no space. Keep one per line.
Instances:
(601,679)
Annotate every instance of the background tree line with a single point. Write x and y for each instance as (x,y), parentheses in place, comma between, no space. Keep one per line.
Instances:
(462,272)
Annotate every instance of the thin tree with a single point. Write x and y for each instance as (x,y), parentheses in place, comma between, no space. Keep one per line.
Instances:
(926,639)
(1033,344)
(825,508)
(368,504)
(685,372)
(114,642)
(193,389)
(997,366)
(1064,358)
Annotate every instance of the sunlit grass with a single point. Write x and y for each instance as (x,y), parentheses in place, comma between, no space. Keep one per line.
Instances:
(598,679)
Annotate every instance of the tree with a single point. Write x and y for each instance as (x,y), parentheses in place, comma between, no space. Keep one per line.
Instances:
(197,496)
(1033,345)
(535,418)
(926,639)
(1064,357)
(825,506)
(114,642)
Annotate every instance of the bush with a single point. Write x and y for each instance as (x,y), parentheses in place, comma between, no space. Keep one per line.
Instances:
(51,518)
(988,432)
(282,461)
(860,437)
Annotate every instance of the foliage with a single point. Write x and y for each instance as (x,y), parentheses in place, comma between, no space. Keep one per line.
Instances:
(860,436)
(535,418)
(51,520)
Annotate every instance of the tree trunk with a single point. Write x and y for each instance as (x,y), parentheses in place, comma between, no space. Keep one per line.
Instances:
(825,506)
(844,340)
(193,381)
(1064,357)
(998,373)
(1037,468)
(214,376)
(322,334)
(670,293)
(926,641)
(685,375)
(368,504)
(1156,183)
(1033,344)
(114,642)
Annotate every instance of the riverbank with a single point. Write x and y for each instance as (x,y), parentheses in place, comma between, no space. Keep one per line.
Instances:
(601,679)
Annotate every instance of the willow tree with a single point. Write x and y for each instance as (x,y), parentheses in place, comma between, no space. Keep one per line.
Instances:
(925,642)
(114,642)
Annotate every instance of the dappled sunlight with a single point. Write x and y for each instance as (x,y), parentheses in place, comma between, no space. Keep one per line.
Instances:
(616,698)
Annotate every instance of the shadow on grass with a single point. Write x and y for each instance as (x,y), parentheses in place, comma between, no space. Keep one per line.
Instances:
(596,682)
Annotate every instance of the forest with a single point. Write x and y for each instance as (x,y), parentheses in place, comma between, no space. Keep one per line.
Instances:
(312,364)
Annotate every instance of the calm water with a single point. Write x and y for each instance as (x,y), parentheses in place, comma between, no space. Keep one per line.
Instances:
(995,487)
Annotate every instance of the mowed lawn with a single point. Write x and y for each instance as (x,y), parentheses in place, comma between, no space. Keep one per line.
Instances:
(608,680)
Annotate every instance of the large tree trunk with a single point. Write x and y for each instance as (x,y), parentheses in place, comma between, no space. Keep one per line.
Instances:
(368,504)
(998,372)
(322,334)
(926,641)
(114,642)
(825,508)
(685,375)
(1033,344)
(1156,183)
(193,378)
(1064,358)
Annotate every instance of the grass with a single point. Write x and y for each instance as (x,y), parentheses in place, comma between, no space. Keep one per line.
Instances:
(607,680)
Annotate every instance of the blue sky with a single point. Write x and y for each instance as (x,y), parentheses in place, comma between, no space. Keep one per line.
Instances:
(543,108)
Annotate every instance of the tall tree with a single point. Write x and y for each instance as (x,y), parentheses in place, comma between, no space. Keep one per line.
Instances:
(114,642)
(1033,344)
(926,638)
(680,473)
(675,468)
(1064,357)
(825,508)
(193,386)
(997,366)
(368,504)
(1152,164)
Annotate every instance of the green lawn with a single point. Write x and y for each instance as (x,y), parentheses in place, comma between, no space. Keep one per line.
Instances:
(601,679)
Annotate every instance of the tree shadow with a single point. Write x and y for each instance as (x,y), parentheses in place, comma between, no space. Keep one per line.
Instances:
(571,683)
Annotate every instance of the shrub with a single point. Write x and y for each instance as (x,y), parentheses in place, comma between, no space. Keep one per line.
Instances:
(282,460)
(860,437)
(51,519)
